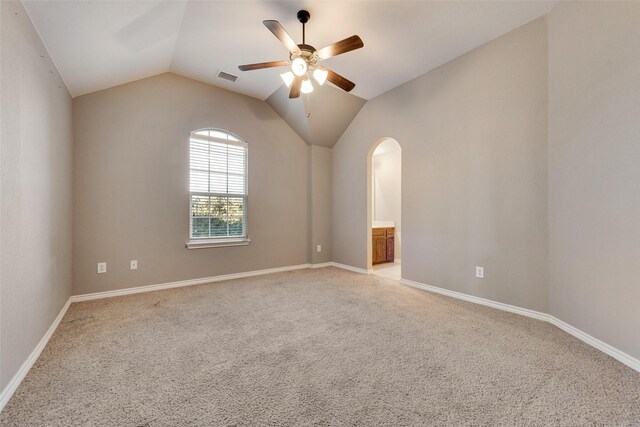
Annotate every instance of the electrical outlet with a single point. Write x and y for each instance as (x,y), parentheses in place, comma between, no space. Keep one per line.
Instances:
(102,267)
(319,248)
(134,264)
(480,272)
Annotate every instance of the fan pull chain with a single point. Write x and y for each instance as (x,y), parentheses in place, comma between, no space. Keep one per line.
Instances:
(307,106)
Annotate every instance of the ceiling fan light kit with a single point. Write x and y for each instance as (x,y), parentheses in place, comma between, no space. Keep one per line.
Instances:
(299,67)
(303,59)
(288,78)
(320,75)
(306,87)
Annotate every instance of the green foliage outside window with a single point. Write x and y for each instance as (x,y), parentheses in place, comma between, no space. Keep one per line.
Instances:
(216,216)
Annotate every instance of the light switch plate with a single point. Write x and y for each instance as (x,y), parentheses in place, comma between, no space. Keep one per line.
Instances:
(102,267)
(134,264)
(319,248)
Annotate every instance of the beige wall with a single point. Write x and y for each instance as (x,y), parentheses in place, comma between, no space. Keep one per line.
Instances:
(474,147)
(321,200)
(131,183)
(36,184)
(594,169)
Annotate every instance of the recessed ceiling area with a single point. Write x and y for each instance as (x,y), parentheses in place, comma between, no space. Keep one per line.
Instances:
(319,118)
(99,44)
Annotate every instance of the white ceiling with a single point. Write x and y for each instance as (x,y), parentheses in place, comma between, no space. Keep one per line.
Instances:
(319,118)
(97,44)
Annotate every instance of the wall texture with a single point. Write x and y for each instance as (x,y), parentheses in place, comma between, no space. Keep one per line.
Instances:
(473,134)
(320,183)
(131,183)
(36,180)
(594,169)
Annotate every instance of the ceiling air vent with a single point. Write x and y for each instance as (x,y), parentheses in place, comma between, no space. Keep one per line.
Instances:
(227,76)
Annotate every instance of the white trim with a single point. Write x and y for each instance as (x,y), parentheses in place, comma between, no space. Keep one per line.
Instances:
(216,243)
(619,355)
(13,385)
(607,349)
(321,265)
(477,300)
(350,268)
(182,283)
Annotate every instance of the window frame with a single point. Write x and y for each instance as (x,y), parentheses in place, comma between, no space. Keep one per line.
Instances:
(221,241)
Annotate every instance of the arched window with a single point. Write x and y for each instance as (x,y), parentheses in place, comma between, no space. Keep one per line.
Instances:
(218,189)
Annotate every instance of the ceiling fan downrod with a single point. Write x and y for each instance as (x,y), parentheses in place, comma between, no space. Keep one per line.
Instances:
(303,17)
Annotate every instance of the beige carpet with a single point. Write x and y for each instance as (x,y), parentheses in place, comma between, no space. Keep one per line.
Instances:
(311,347)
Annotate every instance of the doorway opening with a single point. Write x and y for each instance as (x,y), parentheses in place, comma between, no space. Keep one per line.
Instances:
(384,225)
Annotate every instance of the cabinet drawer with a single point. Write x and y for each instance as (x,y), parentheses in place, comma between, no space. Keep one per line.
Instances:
(379,232)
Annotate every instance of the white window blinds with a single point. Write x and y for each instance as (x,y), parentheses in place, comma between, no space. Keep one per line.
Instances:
(218,185)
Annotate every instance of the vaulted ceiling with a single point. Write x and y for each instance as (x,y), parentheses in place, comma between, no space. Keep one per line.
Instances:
(99,44)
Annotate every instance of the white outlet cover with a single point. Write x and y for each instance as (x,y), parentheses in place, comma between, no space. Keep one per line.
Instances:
(319,248)
(134,264)
(102,267)
(480,272)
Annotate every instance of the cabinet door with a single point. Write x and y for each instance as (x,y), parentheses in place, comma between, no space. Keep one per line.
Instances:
(390,249)
(379,249)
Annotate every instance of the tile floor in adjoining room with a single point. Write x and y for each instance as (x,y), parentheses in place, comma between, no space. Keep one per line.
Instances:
(390,270)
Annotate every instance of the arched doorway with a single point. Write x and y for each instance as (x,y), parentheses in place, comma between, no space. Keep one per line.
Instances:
(384,225)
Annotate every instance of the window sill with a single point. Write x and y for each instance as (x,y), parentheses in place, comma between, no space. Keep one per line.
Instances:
(217,243)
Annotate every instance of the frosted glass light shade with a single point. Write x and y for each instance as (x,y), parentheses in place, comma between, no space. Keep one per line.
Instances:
(320,75)
(307,87)
(287,78)
(299,66)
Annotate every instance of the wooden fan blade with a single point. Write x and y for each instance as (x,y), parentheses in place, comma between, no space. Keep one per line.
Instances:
(338,80)
(279,31)
(260,65)
(295,87)
(343,46)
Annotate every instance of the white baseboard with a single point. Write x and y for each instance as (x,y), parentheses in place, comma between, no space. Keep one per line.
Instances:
(617,354)
(8,391)
(321,265)
(211,279)
(350,268)
(182,283)
(477,300)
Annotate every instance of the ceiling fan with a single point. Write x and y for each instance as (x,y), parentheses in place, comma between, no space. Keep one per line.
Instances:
(304,59)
